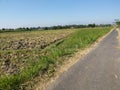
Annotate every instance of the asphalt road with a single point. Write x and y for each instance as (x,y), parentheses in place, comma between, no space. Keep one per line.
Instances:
(98,70)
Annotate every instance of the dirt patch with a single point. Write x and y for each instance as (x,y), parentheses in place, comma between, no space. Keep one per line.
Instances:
(43,84)
(31,40)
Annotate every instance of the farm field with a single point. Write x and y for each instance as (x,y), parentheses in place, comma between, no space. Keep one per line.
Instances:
(25,55)
(30,39)
(15,46)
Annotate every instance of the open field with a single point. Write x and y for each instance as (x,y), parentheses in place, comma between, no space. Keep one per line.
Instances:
(14,47)
(23,55)
(30,39)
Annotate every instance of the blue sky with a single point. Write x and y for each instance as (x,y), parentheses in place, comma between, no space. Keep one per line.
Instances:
(30,13)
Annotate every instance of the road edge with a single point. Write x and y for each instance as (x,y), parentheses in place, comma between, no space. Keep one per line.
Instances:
(118,37)
(69,63)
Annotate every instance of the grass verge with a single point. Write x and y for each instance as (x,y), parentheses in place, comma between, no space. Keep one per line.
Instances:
(47,60)
(118,29)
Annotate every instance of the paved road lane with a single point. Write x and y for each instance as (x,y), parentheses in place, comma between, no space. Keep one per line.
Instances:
(98,70)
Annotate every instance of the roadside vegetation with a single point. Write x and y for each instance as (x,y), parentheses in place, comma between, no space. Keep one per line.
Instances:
(117,21)
(119,36)
(26,55)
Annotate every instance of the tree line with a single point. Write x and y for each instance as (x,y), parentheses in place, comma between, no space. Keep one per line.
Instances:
(55,27)
(117,21)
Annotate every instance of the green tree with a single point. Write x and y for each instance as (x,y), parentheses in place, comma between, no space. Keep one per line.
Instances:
(91,25)
(117,21)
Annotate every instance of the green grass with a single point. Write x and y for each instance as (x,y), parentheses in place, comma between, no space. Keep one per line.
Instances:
(48,59)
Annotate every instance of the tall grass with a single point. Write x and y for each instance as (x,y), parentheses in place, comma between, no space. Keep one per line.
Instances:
(48,59)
